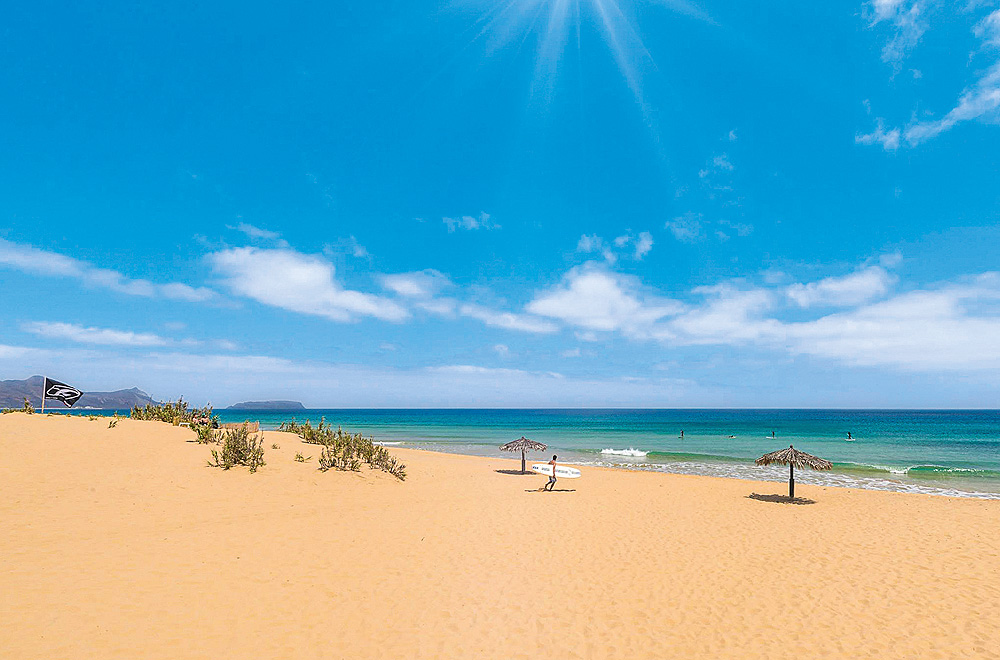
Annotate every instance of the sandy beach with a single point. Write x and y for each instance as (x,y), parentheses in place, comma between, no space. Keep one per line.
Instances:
(121,543)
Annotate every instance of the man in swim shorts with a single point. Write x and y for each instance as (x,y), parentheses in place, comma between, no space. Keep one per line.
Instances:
(552,477)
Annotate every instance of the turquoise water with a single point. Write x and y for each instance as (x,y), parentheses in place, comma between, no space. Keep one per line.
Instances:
(944,452)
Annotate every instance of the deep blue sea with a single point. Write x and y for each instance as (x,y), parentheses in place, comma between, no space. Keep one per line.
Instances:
(942,452)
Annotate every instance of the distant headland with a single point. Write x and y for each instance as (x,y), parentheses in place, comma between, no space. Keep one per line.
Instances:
(267,405)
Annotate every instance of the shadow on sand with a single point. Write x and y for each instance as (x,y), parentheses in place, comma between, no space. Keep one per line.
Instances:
(518,473)
(554,490)
(780,499)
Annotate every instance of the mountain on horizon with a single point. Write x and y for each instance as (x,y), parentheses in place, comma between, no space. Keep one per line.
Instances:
(13,393)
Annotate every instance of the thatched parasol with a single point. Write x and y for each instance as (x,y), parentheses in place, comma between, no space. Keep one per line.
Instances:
(522,445)
(794,458)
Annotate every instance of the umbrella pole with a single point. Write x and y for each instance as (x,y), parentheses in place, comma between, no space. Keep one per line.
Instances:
(791,481)
(522,461)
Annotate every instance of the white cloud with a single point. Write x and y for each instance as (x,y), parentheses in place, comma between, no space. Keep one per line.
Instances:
(592,298)
(888,139)
(100,336)
(297,282)
(502,350)
(953,328)
(470,223)
(950,327)
(732,135)
(729,315)
(42,262)
(507,320)
(847,291)
(643,244)
(571,353)
(418,284)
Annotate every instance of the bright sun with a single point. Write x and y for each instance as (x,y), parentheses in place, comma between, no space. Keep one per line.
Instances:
(559,23)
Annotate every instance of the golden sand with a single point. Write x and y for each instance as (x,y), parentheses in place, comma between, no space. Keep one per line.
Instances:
(121,543)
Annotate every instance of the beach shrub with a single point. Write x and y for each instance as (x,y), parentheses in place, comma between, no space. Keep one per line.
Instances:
(338,458)
(240,447)
(300,458)
(206,433)
(345,451)
(173,412)
(201,420)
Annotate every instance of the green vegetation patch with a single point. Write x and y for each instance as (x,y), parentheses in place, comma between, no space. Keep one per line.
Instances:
(345,451)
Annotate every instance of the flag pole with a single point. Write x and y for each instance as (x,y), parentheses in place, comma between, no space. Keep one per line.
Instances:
(44,378)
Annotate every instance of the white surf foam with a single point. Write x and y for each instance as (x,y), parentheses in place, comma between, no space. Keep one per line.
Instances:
(631,451)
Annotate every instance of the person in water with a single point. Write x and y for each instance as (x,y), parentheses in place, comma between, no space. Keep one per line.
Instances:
(552,477)
(849,436)
(682,434)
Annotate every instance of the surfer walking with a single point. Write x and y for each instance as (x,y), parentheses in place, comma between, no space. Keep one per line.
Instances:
(552,477)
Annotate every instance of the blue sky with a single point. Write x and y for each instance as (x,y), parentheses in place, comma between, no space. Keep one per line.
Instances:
(526,203)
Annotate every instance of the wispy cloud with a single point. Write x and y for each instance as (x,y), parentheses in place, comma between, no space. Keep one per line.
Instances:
(888,139)
(643,244)
(626,245)
(722,162)
(33,260)
(297,282)
(978,101)
(420,284)
(90,335)
(507,320)
(686,228)
(263,235)
(908,19)
(470,223)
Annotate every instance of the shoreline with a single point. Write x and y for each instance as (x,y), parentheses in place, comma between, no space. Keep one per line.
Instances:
(865,466)
(742,472)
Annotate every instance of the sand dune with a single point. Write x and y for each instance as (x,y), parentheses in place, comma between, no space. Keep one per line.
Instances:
(120,543)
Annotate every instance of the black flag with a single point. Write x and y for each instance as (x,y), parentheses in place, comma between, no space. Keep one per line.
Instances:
(67,394)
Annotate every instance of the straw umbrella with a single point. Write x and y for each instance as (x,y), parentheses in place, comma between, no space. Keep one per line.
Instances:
(793,458)
(522,445)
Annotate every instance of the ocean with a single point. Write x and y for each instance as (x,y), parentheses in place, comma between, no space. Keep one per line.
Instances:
(944,452)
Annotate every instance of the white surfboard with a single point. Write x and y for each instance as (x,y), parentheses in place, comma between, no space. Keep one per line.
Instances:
(562,472)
